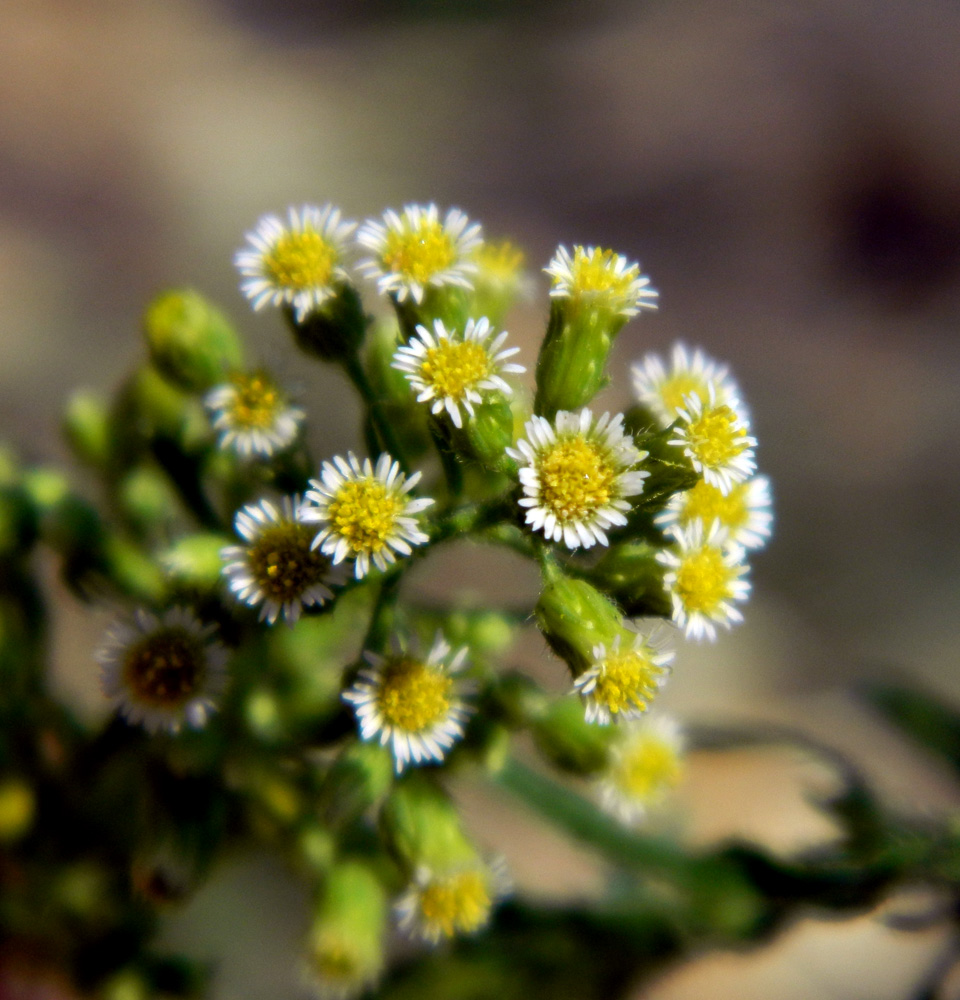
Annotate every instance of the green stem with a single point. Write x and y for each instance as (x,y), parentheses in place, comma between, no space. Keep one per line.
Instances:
(452,469)
(382,617)
(388,440)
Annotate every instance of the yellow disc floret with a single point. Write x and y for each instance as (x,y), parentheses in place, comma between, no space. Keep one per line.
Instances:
(715,437)
(419,253)
(646,769)
(577,478)
(458,903)
(703,580)
(413,696)
(165,669)
(707,503)
(282,562)
(676,387)
(452,367)
(364,512)
(627,682)
(500,262)
(254,403)
(596,273)
(301,260)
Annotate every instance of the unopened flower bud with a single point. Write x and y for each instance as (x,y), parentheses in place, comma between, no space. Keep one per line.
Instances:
(488,433)
(422,826)
(359,777)
(631,574)
(333,331)
(568,741)
(86,426)
(195,561)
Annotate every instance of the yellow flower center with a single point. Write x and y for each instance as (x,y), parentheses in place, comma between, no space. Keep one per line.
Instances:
(595,274)
(457,904)
(255,402)
(703,580)
(333,959)
(627,681)
(165,669)
(576,479)
(645,770)
(452,367)
(365,512)
(715,438)
(707,503)
(418,254)
(282,562)
(413,696)
(300,260)
(675,387)
(499,262)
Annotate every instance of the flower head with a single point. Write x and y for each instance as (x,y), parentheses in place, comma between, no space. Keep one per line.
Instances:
(600,278)
(703,580)
(575,475)
(646,763)
(414,250)
(713,435)
(253,415)
(443,904)
(621,682)
(664,392)
(450,369)
(298,264)
(411,702)
(278,569)
(364,511)
(744,512)
(162,672)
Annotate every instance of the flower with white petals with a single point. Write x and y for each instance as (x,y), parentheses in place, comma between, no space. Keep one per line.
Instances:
(278,569)
(621,682)
(413,251)
(298,264)
(576,473)
(450,369)
(364,512)
(646,764)
(414,703)
(664,392)
(253,416)
(602,279)
(745,512)
(162,672)
(703,580)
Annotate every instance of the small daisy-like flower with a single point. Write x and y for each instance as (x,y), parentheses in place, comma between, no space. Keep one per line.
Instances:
(744,512)
(450,370)
(575,475)
(298,264)
(714,437)
(646,763)
(440,905)
(500,270)
(664,392)
(364,512)
(278,569)
(253,416)
(621,683)
(601,278)
(703,580)
(163,672)
(413,703)
(415,250)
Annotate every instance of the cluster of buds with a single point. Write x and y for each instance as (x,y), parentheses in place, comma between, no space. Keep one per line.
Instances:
(639,522)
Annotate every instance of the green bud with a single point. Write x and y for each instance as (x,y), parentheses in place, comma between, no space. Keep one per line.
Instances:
(336,330)
(422,827)
(568,741)
(130,570)
(194,560)
(359,778)
(448,303)
(46,488)
(488,433)
(630,573)
(520,699)
(149,407)
(574,617)
(191,342)
(147,498)
(86,426)
(499,281)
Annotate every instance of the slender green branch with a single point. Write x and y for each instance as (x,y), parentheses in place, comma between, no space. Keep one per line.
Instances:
(381,422)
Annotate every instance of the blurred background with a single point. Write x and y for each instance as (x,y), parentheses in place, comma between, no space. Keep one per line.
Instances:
(789,176)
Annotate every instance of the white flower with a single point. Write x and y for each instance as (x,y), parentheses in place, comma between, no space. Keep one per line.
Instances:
(646,764)
(443,904)
(298,264)
(415,250)
(602,279)
(364,512)
(713,435)
(664,392)
(575,475)
(745,512)
(162,671)
(253,416)
(278,569)
(703,580)
(621,683)
(450,369)
(411,702)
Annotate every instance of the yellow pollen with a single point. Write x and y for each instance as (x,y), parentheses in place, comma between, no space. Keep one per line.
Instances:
(282,562)
(679,385)
(576,479)
(413,696)
(457,904)
(255,402)
(365,512)
(627,681)
(165,669)
(707,503)
(596,275)
(714,437)
(418,254)
(703,580)
(452,368)
(647,769)
(300,260)
(499,261)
